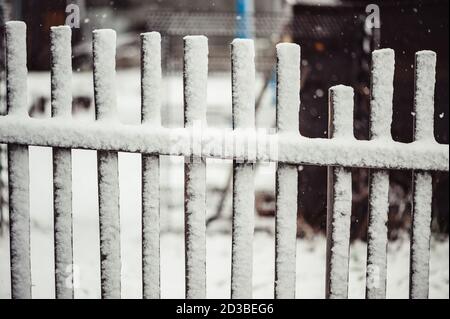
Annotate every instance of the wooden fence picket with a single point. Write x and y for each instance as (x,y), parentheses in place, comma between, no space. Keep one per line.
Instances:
(151,77)
(195,86)
(243,87)
(61,69)
(104,52)
(18,167)
(288,108)
(339,196)
(380,129)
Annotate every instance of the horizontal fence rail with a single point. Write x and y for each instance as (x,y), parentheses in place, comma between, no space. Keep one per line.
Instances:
(291,147)
(245,145)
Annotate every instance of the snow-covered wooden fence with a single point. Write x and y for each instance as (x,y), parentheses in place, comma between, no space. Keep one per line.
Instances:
(106,135)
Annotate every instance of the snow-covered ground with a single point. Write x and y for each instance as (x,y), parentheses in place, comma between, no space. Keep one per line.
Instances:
(310,265)
(310,253)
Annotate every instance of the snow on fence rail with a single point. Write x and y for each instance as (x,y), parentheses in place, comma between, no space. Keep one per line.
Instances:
(196,142)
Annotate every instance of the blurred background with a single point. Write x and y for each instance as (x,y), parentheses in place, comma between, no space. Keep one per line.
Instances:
(336,49)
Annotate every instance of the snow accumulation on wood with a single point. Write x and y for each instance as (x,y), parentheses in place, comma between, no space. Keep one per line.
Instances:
(108,190)
(61,70)
(195,93)
(292,148)
(341,100)
(340,196)
(288,103)
(286,231)
(288,87)
(339,233)
(18,169)
(422,210)
(377,235)
(383,65)
(16,68)
(195,209)
(151,79)
(150,227)
(19,221)
(62,199)
(243,83)
(243,97)
(196,79)
(424,95)
(104,51)
(243,228)
(421,235)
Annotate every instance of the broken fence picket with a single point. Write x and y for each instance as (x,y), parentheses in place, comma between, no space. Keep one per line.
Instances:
(107,136)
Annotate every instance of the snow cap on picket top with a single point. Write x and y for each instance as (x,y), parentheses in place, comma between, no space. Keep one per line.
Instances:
(382,93)
(61,67)
(243,83)
(104,52)
(16,67)
(243,108)
(341,111)
(151,78)
(288,86)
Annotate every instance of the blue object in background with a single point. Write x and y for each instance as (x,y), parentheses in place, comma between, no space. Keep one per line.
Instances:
(244,19)
(245,29)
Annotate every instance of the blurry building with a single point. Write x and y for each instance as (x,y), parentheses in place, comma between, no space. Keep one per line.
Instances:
(336,50)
